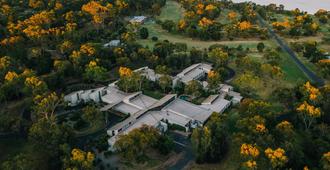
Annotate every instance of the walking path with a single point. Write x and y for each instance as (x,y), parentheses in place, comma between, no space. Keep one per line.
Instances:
(311,75)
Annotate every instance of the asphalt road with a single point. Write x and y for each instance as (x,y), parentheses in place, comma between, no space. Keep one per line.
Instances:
(284,46)
(182,144)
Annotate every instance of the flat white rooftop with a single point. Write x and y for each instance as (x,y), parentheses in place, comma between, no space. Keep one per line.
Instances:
(218,104)
(138,19)
(143,101)
(193,72)
(125,108)
(113,95)
(188,110)
(171,117)
(146,119)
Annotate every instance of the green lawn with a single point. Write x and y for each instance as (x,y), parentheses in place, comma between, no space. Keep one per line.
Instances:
(292,72)
(171,11)
(157,31)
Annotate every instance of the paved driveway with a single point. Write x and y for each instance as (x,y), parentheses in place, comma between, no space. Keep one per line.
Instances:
(182,144)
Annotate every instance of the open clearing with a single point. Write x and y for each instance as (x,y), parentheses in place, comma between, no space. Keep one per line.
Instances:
(173,11)
(157,31)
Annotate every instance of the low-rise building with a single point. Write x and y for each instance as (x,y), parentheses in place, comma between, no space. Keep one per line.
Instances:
(74,98)
(146,110)
(147,119)
(229,90)
(138,119)
(193,72)
(127,103)
(83,96)
(216,103)
(112,43)
(148,73)
(138,19)
(185,114)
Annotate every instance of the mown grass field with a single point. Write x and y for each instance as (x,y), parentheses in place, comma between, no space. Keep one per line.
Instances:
(157,31)
(173,11)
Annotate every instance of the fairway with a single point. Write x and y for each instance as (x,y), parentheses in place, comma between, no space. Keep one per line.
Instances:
(173,11)
(157,31)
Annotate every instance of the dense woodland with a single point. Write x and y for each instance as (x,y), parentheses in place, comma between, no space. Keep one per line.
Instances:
(51,48)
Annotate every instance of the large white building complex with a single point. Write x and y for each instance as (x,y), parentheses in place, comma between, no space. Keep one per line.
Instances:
(145,110)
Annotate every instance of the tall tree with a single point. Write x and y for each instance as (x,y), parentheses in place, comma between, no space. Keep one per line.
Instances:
(165,82)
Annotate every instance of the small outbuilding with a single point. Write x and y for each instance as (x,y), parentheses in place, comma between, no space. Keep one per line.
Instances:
(112,43)
(138,19)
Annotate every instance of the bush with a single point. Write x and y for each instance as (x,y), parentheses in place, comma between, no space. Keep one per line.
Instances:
(165,144)
(144,33)
(154,38)
(261,47)
(168,25)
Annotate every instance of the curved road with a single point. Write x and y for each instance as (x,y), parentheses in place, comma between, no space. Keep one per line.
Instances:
(311,75)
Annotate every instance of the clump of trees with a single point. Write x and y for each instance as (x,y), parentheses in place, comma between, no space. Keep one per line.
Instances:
(201,20)
(264,135)
(255,74)
(302,24)
(210,143)
(134,145)
(44,46)
(315,54)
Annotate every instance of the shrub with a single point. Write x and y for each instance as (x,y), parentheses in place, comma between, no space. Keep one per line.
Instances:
(144,33)
(154,38)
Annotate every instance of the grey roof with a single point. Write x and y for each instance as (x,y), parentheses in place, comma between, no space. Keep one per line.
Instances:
(225,87)
(134,117)
(193,72)
(107,107)
(234,94)
(218,105)
(188,110)
(171,117)
(210,99)
(125,108)
(146,119)
(143,101)
(113,95)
